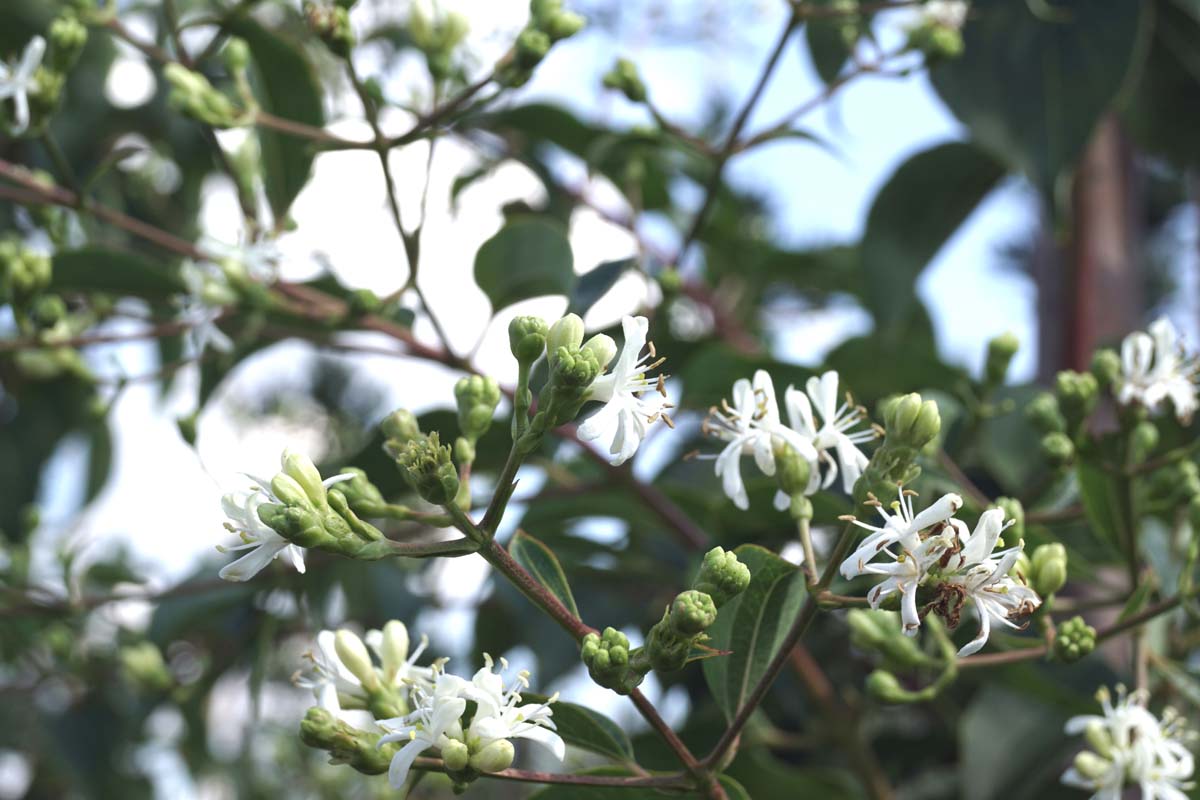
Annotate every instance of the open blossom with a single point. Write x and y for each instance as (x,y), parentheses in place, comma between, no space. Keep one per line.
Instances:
(912,557)
(945,13)
(332,681)
(632,400)
(834,431)
(751,425)
(484,743)
(327,677)
(983,577)
(259,260)
(1155,369)
(18,81)
(1131,747)
(263,542)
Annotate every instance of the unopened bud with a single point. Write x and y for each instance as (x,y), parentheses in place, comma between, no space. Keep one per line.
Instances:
(67,39)
(1044,413)
(624,78)
(456,755)
(883,685)
(494,757)
(290,492)
(237,55)
(1092,766)
(1143,439)
(565,333)
(301,469)
(1074,640)
(428,469)
(362,495)
(1058,449)
(1106,367)
(527,338)
(353,653)
(400,427)
(477,398)
(1077,392)
(913,422)
(692,612)
(393,647)
(722,577)
(532,46)
(792,471)
(602,348)
(1049,568)
(1000,354)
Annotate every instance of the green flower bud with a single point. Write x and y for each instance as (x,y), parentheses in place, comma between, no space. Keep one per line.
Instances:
(564,25)
(1143,439)
(1097,735)
(48,310)
(1013,510)
(192,94)
(345,744)
(332,25)
(912,422)
(317,727)
(477,398)
(299,525)
(1043,412)
(144,666)
(722,577)
(574,369)
(494,757)
(692,612)
(1000,354)
(792,472)
(301,469)
(236,55)
(290,492)
(881,632)
(353,654)
(427,468)
(456,755)
(532,46)
(400,427)
(67,39)
(1077,393)
(1106,368)
(362,495)
(1092,766)
(602,348)
(565,333)
(607,659)
(1049,568)
(541,12)
(624,78)
(1074,639)
(1058,449)
(937,42)
(527,338)
(883,685)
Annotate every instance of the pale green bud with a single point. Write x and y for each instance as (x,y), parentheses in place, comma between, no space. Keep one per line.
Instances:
(792,472)
(1044,413)
(494,757)
(541,12)
(881,632)
(912,422)
(564,25)
(301,469)
(393,647)
(1000,354)
(477,398)
(1049,566)
(607,659)
(236,54)
(67,37)
(1074,640)
(1058,449)
(602,348)
(692,612)
(1077,393)
(144,666)
(624,78)
(1106,367)
(346,744)
(883,685)
(400,427)
(1143,439)
(299,524)
(565,333)
(527,338)
(428,469)
(722,577)
(1096,734)
(456,755)
(362,495)
(353,654)
(1092,766)
(289,491)
(532,46)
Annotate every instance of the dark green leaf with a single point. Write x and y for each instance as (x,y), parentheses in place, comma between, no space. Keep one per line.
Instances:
(287,87)
(826,45)
(1035,78)
(117,271)
(1163,111)
(582,727)
(916,211)
(540,561)
(529,257)
(595,284)
(753,626)
(1103,501)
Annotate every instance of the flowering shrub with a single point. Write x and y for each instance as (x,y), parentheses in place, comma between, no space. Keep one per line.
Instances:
(882,577)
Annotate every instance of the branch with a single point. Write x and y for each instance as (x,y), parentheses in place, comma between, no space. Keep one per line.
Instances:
(524,776)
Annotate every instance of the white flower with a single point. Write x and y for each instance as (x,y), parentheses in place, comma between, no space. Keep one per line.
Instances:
(259,260)
(1156,369)
(945,13)
(1132,747)
(914,555)
(436,718)
(632,401)
(329,676)
(751,425)
(835,431)
(500,714)
(263,542)
(200,317)
(983,578)
(16,82)
(399,666)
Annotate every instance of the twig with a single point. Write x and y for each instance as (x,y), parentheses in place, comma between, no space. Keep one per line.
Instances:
(675,781)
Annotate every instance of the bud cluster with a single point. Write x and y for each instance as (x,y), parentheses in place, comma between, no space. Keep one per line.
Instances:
(193,95)
(910,424)
(426,466)
(1075,639)
(331,23)
(548,23)
(624,78)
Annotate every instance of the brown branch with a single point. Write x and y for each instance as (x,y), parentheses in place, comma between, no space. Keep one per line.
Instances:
(612,781)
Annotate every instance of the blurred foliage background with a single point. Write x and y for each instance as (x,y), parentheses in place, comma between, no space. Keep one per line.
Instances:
(116,683)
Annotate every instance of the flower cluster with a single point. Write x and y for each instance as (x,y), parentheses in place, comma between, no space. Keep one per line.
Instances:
(930,551)
(1155,369)
(1131,747)
(478,739)
(820,431)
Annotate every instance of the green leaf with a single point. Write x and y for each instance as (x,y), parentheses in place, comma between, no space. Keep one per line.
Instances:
(1035,78)
(753,626)
(582,727)
(827,46)
(529,257)
(1027,731)
(287,87)
(1163,112)
(595,284)
(540,562)
(118,271)
(1103,502)
(917,210)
